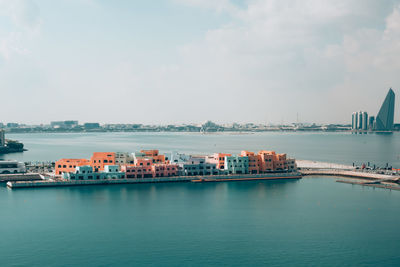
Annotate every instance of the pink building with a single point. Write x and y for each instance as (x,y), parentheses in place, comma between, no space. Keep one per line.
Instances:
(149,171)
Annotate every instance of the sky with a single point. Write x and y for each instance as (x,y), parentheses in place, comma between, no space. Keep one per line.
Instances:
(189,61)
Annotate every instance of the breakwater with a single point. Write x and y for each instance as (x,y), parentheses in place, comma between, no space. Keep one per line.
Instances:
(347,173)
(215,178)
(380,184)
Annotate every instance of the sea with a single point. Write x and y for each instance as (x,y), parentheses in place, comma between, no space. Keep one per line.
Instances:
(313,221)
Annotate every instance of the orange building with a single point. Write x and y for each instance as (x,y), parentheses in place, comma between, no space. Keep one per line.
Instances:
(280,162)
(154,154)
(69,165)
(149,170)
(132,171)
(254,161)
(143,162)
(100,159)
(218,159)
(266,160)
(165,170)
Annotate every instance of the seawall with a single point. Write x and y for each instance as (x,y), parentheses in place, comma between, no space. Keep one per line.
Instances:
(215,178)
(20,177)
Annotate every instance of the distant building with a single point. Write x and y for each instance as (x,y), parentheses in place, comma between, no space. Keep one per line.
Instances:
(359,120)
(2,138)
(371,122)
(354,121)
(364,124)
(385,117)
(63,124)
(70,124)
(91,125)
(12,125)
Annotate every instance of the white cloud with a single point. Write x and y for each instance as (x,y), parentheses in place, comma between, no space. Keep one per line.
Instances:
(24,15)
(288,56)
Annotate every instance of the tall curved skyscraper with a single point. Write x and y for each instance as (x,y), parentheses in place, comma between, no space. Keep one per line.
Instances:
(384,119)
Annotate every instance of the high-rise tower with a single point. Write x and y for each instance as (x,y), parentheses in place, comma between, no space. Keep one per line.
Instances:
(384,119)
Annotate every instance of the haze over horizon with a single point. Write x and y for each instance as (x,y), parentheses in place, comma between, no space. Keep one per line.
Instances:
(183,61)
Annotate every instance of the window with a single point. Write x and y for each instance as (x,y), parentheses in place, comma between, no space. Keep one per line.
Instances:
(105,161)
(59,166)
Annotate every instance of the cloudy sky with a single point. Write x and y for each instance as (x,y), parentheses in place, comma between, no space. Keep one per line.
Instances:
(180,61)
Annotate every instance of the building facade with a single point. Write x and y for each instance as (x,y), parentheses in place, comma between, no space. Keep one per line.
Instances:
(218,159)
(237,164)
(197,166)
(254,161)
(87,173)
(69,165)
(100,159)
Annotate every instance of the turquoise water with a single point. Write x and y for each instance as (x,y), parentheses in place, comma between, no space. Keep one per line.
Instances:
(307,222)
(310,222)
(331,147)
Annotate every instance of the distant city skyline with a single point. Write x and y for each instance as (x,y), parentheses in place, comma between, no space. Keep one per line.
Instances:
(190,61)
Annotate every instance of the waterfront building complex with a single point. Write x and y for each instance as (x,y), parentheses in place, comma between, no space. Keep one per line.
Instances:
(151,164)
(382,122)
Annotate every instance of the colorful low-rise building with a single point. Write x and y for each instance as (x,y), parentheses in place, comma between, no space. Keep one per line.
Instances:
(154,154)
(150,171)
(197,165)
(237,164)
(123,158)
(266,161)
(254,161)
(218,159)
(87,173)
(69,165)
(100,159)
